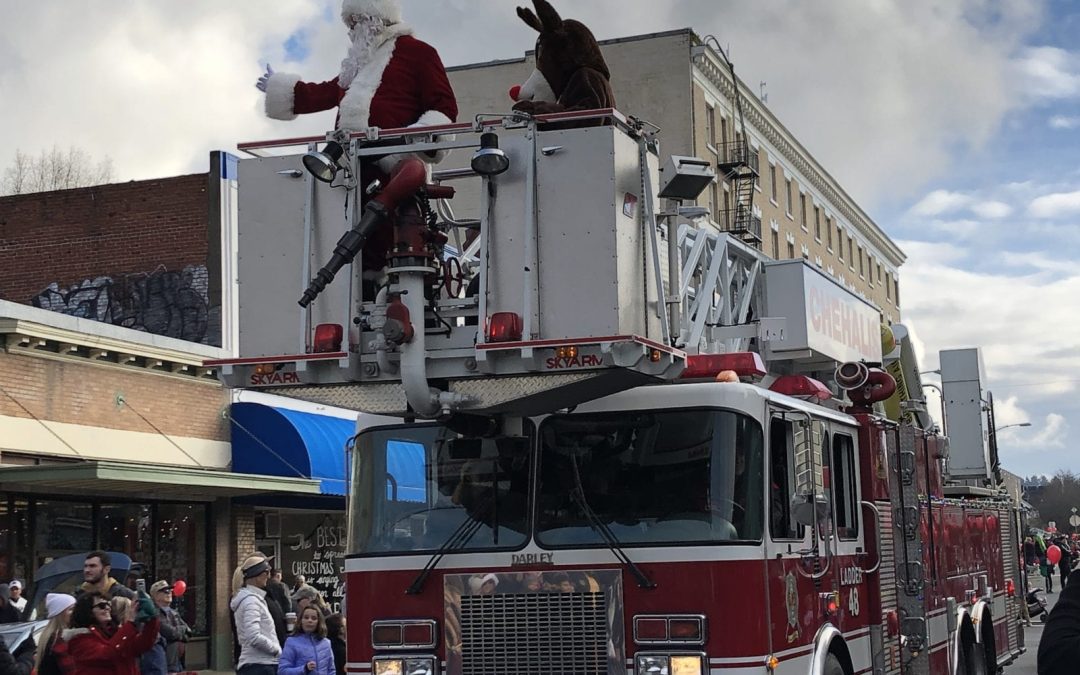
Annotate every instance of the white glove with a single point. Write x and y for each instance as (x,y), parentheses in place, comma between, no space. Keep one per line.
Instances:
(261,84)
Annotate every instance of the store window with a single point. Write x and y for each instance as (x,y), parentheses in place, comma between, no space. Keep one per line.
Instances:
(170,540)
(181,554)
(125,528)
(61,528)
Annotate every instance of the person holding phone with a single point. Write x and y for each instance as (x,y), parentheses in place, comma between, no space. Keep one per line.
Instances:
(100,645)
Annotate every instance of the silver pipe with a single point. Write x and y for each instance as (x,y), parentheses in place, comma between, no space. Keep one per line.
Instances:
(380,344)
(421,396)
(309,215)
(528,331)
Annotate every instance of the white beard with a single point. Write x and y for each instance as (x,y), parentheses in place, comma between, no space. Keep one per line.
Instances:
(365,37)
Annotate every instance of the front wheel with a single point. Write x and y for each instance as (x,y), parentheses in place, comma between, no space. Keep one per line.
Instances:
(832,666)
(975,658)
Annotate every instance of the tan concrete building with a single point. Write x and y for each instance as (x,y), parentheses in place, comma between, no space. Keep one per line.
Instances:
(676,82)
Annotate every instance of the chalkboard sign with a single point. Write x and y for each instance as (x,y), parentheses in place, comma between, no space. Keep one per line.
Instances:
(313,545)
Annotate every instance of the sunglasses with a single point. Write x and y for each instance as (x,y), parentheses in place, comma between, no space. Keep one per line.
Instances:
(101,605)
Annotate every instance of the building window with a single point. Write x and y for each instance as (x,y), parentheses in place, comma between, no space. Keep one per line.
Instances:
(862,270)
(790,204)
(776,244)
(888,286)
(851,252)
(772,181)
(828,231)
(710,125)
(879,273)
(802,211)
(817,224)
(896,291)
(757,176)
(791,249)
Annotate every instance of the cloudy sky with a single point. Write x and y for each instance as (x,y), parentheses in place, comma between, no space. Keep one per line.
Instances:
(954,123)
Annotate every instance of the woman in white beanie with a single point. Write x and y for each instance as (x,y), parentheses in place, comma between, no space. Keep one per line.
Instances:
(52,657)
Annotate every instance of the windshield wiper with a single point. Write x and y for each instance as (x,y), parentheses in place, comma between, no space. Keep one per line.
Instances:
(599,526)
(457,539)
(460,536)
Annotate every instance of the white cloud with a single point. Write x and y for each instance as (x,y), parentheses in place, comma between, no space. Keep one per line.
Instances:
(1064,122)
(1049,72)
(1056,205)
(939,202)
(946,202)
(991,209)
(1022,323)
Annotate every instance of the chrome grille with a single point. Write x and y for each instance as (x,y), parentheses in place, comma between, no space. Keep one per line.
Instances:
(534,634)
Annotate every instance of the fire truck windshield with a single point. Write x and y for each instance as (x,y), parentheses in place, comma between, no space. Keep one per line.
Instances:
(418,487)
(661,477)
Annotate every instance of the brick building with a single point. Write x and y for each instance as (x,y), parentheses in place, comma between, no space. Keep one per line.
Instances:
(132,254)
(113,433)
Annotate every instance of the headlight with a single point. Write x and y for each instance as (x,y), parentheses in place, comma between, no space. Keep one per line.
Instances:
(408,665)
(670,664)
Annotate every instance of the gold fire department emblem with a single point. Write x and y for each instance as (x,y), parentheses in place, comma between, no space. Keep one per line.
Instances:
(791,599)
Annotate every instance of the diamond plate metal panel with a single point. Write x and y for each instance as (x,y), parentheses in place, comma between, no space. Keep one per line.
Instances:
(377,399)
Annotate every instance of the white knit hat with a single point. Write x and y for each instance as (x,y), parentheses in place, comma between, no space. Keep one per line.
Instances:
(55,603)
(388,10)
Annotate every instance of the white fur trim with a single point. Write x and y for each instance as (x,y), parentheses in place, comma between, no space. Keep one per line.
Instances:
(280,96)
(536,88)
(433,118)
(355,107)
(388,10)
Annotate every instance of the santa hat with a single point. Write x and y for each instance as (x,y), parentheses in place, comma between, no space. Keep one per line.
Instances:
(55,603)
(387,10)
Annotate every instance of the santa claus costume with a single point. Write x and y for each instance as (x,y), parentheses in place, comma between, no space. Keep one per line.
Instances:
(388,80)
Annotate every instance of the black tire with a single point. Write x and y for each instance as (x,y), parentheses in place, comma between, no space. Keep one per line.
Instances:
(975,658)
(833,666)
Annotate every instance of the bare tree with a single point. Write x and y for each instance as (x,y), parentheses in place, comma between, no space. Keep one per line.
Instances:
(54,169)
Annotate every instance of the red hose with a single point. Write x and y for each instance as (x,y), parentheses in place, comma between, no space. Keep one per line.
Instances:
(879,386)
(407,177)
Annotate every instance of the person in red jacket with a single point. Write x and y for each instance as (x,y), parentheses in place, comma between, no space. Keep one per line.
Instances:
(97,646)
(389,79)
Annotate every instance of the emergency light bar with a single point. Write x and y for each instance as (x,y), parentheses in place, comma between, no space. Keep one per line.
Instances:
(743,364)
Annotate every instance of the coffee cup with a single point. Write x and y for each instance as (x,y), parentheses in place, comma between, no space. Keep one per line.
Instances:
(290,621)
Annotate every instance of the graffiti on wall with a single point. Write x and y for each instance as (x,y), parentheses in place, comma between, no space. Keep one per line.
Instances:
(162,302)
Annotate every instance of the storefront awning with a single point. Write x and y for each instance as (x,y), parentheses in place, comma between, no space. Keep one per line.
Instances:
(279,442)
(163,482)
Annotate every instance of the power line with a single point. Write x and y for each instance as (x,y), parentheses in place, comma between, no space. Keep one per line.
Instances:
(36,419)
(120,400)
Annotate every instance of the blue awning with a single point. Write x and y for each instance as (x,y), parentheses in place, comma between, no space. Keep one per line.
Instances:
(282,442)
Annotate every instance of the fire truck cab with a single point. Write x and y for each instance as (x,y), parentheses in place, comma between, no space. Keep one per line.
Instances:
(595,436)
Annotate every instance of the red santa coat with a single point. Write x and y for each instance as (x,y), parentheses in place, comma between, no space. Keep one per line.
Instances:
(93,652)
(403,84)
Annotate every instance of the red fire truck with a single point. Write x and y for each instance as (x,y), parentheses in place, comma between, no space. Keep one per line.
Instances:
(634,445)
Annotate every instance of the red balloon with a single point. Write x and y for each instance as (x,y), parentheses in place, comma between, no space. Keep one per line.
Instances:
(180,587)
(1053,554)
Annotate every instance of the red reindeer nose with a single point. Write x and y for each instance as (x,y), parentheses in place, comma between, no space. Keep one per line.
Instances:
(515,91)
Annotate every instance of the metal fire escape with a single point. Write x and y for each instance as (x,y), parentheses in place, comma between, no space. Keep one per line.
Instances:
(738,164)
